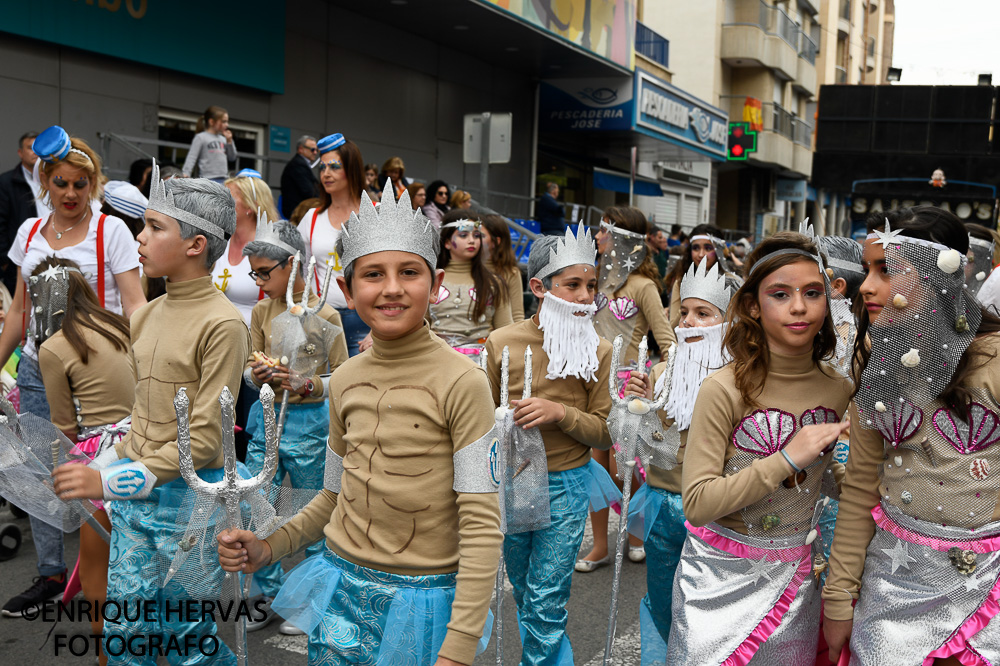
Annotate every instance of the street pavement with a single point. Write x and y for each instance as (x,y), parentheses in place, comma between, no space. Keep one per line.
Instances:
(24,642)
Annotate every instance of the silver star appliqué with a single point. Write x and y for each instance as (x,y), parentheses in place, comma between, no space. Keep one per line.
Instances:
(888,236)
(760,568)
(900,554)
(973,583)
(628,264)
(51,273)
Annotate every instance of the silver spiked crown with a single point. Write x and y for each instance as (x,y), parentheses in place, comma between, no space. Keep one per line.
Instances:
(708,284)
(163,202)
(570,251)
(394,225)
(265,234)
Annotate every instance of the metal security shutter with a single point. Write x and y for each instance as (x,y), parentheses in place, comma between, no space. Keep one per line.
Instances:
(667,209)
(692,212)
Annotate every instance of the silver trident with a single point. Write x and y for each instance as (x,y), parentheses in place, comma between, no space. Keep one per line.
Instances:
(504,402)
(232,489)
(633,423)
(304,310)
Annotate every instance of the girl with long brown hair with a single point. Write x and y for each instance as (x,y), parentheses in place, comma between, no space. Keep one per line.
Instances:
(755,465)
(918,533)
(471,301)
(90,388)
(628,304)
(500,259)
(703,243)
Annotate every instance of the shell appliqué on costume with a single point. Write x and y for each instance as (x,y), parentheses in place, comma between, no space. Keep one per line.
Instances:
(818,416)
(764,432)
(472,295)
(982,430)
(442,295)
(899,423)
(623,308)
(600,301)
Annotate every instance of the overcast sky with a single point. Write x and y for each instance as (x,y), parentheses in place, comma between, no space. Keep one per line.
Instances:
(947,42)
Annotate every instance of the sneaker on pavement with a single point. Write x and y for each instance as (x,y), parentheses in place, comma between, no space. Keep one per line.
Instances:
(289,629)
(254,621)
(43,588)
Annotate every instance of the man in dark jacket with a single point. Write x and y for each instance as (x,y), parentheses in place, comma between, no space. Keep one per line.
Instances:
(17,203)
(298,182)
(550,213)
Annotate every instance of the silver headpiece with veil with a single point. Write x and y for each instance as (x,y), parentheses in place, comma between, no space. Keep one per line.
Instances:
(626,252)
(919,336)
(49,292)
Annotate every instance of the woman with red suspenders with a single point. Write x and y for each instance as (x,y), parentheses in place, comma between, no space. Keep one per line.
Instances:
(342,174)
(108,255)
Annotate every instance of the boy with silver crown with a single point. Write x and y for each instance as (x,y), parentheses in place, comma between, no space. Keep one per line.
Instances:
(190,338)
(656,515)
(569,407)
(276,324)
(409,506)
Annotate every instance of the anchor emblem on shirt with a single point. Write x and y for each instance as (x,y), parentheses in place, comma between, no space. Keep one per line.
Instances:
(336,261)
(225,280)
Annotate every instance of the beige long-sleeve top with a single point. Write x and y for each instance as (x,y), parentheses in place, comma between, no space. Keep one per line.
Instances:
(191,337)
(649,317)
(515,291)
(450,316)
(793,384)
(261,317)
(398,415)
(675,304)
(104,386)
(944,480)
(585,426)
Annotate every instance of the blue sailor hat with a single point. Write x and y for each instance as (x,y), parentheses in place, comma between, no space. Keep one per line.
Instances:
(125,198)
(331,142)
(249,173)
(52,144)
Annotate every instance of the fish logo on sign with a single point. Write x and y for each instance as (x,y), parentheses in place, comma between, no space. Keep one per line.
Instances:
(600,95)
(126,482)
(495,461)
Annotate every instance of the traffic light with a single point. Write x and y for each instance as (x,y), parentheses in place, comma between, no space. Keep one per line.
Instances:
(742,141)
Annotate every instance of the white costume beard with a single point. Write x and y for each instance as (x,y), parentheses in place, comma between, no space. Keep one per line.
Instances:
(570,341)
(694,362)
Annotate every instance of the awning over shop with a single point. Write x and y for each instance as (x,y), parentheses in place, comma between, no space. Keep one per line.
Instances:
(617,181)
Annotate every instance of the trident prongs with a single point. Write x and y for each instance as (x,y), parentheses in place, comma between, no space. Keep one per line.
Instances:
(232,489)
(504,374)
(526,391)
(296,260)
(326,286)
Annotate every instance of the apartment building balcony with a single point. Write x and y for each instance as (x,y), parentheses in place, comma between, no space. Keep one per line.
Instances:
(870,55)
(757,33)
(844,18)
(840,74)
(805,77)
(784,142)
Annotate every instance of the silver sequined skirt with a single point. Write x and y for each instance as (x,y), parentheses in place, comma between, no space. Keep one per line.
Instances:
(916,604)
(743,600)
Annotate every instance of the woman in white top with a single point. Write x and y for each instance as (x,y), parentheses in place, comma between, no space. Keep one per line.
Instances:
(341,172)
(231,274)
(106,252)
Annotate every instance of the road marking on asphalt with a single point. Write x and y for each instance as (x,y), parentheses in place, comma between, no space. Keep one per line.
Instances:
(627,650)
(297,644)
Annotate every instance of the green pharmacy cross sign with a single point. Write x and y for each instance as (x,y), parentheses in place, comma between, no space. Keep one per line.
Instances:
(742,141)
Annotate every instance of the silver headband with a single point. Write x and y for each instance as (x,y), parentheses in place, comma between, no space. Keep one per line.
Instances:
(778,253)
(163,202)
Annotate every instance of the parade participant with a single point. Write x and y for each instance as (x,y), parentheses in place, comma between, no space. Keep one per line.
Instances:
(569,406)
(500,259)
(307,423)
(409,508)
(342,176)
(83,356)
(191,338)
(212,148)
(918,537)
(754,468)
(472,301)
(628,303)
(699,245)
(103,247)
(657,516)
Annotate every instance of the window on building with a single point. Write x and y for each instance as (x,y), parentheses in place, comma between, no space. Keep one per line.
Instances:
(177,130)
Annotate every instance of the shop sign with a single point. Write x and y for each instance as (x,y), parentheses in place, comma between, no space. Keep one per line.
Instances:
(790,189)
(572,105)
(669,111)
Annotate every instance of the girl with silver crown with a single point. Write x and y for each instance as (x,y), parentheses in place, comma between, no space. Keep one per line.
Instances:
(628,304)
(918,533)
(471,301)
(656,515)
(755,463)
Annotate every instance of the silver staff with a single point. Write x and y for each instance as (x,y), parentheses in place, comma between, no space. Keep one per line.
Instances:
(631,422)
(232,489)
(304,311)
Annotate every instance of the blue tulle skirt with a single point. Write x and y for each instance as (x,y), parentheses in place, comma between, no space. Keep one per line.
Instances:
(368,616)
(643,510)
(594,481)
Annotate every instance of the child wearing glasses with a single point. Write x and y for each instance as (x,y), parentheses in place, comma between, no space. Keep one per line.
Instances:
(342,176)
